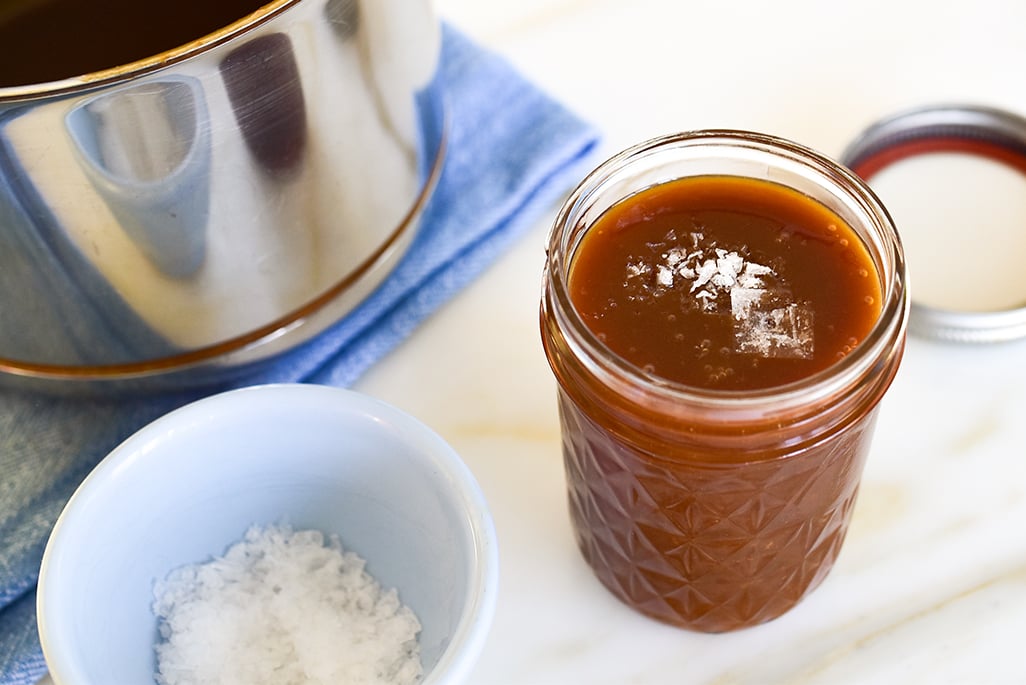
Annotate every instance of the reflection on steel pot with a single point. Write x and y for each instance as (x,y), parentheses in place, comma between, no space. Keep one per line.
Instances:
(216,203)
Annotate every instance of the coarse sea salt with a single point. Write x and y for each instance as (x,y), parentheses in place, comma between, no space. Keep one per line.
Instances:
(766,321)
(283,607)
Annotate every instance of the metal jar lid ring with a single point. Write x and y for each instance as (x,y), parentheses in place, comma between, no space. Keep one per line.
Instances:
(981,131)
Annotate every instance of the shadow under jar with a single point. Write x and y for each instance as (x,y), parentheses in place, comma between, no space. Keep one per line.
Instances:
(723,312)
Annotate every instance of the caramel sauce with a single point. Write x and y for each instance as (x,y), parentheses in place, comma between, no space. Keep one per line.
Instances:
(689,512)
(725,283)
(706,546)
(48,40)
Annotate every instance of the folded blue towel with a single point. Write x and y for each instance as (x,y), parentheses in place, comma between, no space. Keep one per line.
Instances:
(512,152)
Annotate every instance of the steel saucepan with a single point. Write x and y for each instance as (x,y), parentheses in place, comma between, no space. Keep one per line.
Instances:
(210,206)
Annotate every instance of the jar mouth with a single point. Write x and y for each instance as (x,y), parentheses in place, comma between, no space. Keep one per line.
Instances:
(779,160)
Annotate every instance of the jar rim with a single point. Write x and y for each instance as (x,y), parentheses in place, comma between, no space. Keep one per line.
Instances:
(846,372)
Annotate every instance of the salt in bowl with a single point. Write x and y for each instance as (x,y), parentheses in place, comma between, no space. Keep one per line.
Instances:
(186,487)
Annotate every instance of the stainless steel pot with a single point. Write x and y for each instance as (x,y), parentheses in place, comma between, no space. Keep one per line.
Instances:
(211,206)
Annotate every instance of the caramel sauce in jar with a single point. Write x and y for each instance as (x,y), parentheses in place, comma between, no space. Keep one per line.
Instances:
(723,312)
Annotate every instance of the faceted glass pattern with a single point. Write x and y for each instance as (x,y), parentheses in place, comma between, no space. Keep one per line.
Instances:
(705,545)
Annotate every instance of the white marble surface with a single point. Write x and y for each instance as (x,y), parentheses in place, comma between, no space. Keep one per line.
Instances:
(931,584)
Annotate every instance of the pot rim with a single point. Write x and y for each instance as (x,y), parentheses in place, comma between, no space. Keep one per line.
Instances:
(147,65)
(222,351)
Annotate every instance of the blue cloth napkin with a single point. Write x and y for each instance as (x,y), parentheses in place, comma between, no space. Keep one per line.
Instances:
(513,151)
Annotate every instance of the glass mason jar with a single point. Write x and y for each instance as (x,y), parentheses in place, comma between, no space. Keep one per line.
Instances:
(715,510)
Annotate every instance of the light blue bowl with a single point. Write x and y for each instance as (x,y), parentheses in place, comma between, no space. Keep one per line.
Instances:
(187,486)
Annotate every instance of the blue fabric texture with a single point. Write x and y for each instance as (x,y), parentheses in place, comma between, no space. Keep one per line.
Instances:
(513,151)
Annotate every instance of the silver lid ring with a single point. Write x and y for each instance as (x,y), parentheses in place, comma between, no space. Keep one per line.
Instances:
(968,129)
